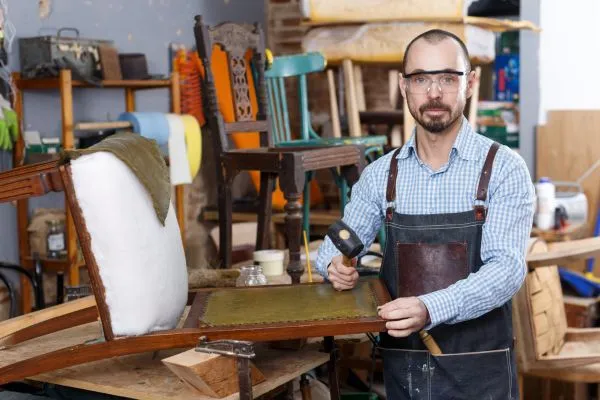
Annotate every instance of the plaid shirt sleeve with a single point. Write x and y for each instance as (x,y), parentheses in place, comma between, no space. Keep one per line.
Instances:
(511,205)
(363,213)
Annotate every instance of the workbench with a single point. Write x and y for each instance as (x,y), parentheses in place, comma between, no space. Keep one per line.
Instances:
(145,376)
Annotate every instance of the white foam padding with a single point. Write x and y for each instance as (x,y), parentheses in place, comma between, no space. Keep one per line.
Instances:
(141,262)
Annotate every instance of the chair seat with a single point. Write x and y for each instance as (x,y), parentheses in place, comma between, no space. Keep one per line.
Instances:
(309,158)
(324,142)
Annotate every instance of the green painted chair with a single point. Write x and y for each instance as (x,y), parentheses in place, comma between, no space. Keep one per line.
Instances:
(299,65)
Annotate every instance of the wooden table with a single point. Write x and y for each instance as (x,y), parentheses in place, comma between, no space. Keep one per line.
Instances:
(144,375)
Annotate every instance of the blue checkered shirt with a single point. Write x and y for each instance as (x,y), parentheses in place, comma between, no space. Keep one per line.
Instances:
(452,189)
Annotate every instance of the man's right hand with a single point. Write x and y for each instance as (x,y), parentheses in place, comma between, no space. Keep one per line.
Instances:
(342,277)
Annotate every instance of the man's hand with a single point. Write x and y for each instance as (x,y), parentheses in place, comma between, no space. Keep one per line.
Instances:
(342,277)
(405,315)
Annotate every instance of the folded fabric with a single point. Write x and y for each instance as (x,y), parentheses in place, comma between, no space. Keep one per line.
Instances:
(151,125)
(179,166)
(143,157)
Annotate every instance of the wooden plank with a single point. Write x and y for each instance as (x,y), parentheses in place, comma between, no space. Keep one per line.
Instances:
(53,83)
(212,374)
(565,252)
(352,108)
(15,324)
(541,302)
(333,105)
(97,126)
(540,322)
(143,376)
(246,126)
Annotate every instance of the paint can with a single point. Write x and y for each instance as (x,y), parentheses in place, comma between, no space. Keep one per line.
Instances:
(271,261)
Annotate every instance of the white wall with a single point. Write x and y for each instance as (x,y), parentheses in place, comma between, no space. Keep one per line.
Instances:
(569,55)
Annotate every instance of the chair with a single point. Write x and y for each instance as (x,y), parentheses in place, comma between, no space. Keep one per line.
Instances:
(546,347)
(290,165)
(139,281)
(299,66)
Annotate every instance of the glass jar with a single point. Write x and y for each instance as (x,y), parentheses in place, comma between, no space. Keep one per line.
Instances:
(55,239)
(251,275)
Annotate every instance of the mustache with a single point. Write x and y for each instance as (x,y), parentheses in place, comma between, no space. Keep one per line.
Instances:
(434,105)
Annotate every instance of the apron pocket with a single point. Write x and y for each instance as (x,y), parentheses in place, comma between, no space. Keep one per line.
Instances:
(416,375)
(425,267)
(406,374)
(481,375)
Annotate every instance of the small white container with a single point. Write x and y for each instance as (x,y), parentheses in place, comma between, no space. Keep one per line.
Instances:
(271,261)
(546,204)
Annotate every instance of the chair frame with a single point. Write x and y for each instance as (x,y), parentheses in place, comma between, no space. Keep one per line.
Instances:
(299,66)
(290,165)
(39,179)
(529,361)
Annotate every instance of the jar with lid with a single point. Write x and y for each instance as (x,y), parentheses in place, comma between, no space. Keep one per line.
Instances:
(251,275)
(55,239)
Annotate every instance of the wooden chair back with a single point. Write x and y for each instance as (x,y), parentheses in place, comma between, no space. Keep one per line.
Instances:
(291,66)
(135,262)
(539,316)
(240,42)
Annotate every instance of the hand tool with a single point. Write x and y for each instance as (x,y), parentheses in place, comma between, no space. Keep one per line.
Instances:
(350,245)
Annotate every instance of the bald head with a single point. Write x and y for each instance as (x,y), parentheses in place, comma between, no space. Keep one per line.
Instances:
(436,37)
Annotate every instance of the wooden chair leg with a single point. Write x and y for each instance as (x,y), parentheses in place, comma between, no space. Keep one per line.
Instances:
(306,205)
(267,184)
(293,228)
(292,177)
(225,210)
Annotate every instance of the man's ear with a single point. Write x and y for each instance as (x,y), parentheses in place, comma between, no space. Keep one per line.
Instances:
(402,85)
(472,79)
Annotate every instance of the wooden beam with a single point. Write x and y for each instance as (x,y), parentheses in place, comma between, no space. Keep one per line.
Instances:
(212,374)
(14,325)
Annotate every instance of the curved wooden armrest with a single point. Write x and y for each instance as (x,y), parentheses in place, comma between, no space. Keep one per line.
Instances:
(565,252)
(48,320)
(30,181)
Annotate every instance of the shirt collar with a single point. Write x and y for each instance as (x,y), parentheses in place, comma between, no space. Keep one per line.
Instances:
(465,144)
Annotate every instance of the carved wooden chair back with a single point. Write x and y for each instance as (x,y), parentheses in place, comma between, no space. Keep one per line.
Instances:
(241,43)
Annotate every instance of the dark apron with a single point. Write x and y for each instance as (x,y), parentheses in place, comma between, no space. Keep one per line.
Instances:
(425,253)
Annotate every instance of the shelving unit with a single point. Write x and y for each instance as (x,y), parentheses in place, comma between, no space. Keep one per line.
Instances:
(65,84)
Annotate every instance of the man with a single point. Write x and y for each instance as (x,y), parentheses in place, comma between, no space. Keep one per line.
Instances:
(458,211)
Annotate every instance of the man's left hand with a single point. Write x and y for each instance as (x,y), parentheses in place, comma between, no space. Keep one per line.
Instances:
(405,315)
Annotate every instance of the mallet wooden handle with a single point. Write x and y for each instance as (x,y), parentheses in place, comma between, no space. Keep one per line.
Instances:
(430,343)
(347,261)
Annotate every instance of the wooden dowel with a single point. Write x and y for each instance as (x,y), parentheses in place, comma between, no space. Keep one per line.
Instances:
(96,126)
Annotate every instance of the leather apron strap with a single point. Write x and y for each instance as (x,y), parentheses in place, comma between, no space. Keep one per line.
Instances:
(484,181)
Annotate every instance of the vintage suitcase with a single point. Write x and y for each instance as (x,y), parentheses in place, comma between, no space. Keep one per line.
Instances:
(43,56)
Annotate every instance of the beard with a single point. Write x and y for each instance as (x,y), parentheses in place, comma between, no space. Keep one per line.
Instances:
(436,123)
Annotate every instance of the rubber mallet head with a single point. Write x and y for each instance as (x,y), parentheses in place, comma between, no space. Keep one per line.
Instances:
(345,240)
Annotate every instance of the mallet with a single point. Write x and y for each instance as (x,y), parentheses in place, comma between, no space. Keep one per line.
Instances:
(350,245)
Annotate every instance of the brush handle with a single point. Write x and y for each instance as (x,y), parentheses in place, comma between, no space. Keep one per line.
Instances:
(430,343)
